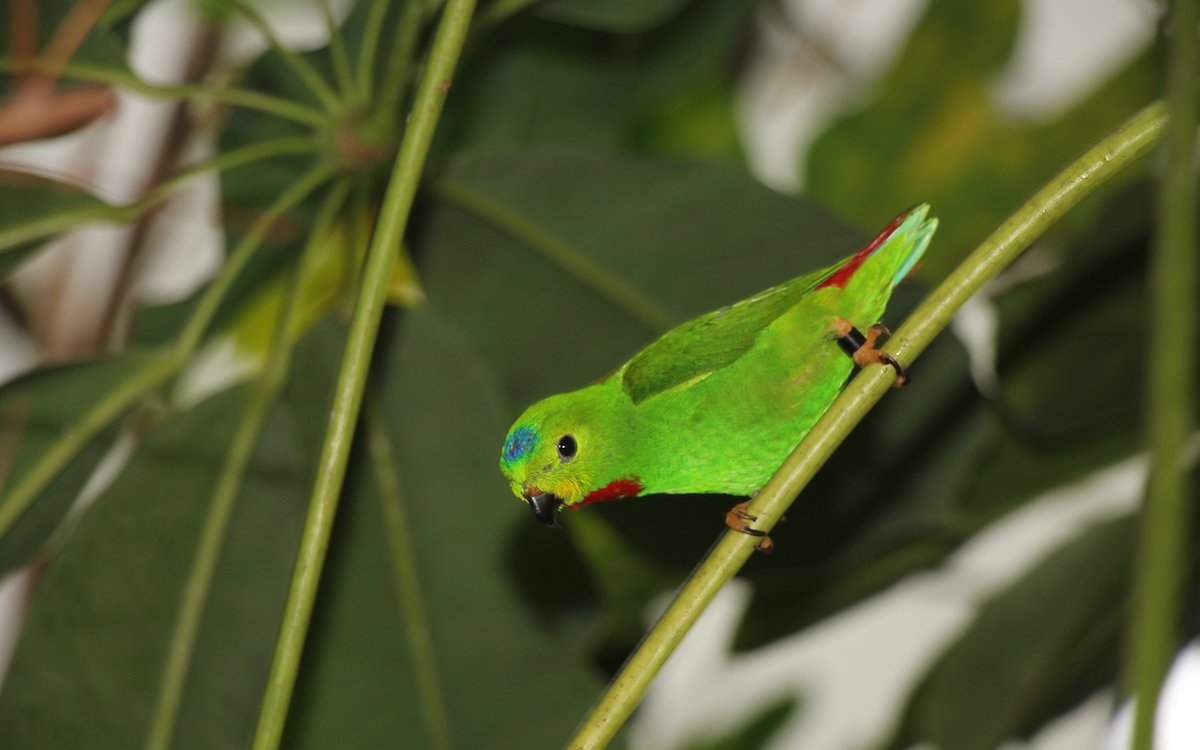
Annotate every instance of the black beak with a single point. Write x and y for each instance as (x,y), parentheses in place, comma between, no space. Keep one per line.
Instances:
(544,505)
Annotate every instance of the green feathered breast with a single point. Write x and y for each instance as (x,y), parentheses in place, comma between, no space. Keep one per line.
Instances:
(716,404)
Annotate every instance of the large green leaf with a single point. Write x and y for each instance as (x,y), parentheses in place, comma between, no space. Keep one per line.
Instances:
(538,84)
(36,412)
(611,15)
(88,669)
(933,132)
(560,264)
(363,683)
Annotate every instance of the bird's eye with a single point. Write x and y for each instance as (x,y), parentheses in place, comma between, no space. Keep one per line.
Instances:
(567,447)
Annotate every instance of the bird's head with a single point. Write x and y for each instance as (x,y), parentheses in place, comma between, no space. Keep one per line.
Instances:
(560,450)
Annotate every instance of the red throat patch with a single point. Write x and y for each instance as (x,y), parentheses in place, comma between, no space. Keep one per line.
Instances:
(615,490)
(842,275)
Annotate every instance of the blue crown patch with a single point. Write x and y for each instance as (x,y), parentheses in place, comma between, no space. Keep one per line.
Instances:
(520,442)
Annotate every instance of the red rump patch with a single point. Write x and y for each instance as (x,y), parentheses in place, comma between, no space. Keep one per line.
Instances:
(627,487)
(843,274)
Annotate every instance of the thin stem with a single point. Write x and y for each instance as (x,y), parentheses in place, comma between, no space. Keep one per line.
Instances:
(337,50)
(238,157)
(305,72)
(262,400)
(156,371)
(233,96)
(408,583)
(1166,513)
(370,48)
(207,307)
(1065,190)
(356,359)
(400,65)
(500,10)
(70,33)
(23,233)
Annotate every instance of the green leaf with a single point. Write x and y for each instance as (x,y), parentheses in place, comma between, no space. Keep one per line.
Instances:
(88,667)
(537,84)
(35,412)
(1033,651)
(620,16)
(363,682)
(933,132)
(580,258)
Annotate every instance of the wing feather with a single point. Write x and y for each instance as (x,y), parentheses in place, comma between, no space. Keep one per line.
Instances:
(693,350)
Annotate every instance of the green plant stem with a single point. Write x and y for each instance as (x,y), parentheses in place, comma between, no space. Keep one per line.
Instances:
(233,96)
(1166,518)
(408,583)
(500,10)
(157,370)
(267,386)
(206,308)
(238,157)
(1066,189)
(337,50)
(303,71)
(370,48)
(61,222)
(356,359)
(399,67)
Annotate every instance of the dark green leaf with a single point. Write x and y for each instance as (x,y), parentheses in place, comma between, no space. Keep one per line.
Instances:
(361,686)
(88,669)
(35,412)
(537,84)
(579,259)
(934,133)
(624,16)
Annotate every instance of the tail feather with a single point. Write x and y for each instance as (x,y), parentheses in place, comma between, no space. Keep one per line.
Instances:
(909,234)
(921,233)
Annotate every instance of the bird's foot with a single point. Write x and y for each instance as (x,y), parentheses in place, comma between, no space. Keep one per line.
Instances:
(863,349)
(739,520)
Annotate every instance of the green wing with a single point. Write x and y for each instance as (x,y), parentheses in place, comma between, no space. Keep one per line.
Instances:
(699,347)
(694,349)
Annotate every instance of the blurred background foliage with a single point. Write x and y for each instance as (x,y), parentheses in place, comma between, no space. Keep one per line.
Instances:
(587,190)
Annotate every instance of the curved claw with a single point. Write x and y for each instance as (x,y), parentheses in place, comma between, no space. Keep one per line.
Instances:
(901,373)
(737,519)
(862,349)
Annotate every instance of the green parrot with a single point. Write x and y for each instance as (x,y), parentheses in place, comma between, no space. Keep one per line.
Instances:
(716,404)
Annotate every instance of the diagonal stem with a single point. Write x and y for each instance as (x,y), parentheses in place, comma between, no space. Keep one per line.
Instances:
(157,370)
(263,398)
(1133,139)
(305,72)
(370,47)
(337,49)
(408,583)
(248,98)
(347,398)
